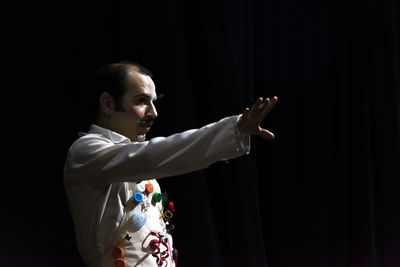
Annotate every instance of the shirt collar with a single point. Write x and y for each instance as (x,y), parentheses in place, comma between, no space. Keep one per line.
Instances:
(113,136)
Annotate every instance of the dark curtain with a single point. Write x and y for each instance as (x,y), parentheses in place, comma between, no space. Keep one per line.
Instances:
(325,192)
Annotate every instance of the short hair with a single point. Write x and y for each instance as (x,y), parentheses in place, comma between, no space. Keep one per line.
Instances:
(112,78)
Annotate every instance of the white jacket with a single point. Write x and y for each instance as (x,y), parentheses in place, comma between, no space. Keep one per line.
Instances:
(102,170)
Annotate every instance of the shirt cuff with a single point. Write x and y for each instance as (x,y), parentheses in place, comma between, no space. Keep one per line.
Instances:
(243,140)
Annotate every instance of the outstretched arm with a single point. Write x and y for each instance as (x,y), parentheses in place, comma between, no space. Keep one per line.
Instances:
(249,122)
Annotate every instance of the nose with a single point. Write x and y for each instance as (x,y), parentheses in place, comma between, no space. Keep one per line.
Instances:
(152,111)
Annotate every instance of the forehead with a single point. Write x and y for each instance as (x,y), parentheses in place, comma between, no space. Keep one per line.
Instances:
(138,83)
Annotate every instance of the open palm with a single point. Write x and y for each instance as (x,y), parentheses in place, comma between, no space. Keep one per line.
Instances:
(249,122)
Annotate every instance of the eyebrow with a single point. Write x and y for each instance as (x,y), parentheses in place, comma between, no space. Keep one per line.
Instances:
(146,96)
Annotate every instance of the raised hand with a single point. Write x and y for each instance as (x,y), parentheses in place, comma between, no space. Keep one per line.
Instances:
(249,122)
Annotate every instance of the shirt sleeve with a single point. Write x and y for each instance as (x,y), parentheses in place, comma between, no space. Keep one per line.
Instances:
(95,159)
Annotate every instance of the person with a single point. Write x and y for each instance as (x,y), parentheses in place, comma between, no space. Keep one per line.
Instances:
(120,215)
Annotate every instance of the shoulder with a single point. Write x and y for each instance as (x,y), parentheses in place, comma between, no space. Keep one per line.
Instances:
(89,140)
(88,144)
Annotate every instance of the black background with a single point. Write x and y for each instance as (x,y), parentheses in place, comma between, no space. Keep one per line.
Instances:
(325,192)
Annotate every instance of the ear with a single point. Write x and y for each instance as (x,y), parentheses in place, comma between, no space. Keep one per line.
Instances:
(107,103)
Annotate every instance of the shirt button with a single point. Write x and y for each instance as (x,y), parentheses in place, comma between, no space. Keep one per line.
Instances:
(156,197)
(139,219)
(120,263)
(117,252)
(140,187)
(138,197)
(171,206)
(149,188)
(128,237)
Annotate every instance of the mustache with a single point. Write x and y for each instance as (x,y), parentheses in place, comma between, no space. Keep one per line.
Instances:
(146,122)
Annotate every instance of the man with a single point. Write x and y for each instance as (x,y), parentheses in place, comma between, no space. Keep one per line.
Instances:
(121,218)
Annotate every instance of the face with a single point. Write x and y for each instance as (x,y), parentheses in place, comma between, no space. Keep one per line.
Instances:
(138,104)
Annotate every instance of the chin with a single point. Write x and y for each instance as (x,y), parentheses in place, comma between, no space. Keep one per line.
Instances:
(141,138)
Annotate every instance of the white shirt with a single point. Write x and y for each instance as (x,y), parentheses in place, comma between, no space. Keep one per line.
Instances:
(103,167)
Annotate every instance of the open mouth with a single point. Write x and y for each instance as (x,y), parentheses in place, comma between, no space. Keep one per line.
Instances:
(146,124)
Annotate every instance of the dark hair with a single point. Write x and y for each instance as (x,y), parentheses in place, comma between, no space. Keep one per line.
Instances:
(111,78)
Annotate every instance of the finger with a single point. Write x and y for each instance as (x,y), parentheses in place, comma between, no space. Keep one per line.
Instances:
(266,134)
(259,113)
(246,112)
(271,105)
(256,105)
(258,109)
(265,105)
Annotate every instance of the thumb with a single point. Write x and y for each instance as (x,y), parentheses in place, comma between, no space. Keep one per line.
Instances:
(266,134)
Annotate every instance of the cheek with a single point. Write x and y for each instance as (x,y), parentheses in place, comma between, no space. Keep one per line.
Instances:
(136,112)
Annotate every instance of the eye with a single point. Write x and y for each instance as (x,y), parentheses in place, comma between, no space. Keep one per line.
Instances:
(140,100)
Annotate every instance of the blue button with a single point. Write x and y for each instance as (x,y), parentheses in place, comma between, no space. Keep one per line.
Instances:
(138,197)
(139,219)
